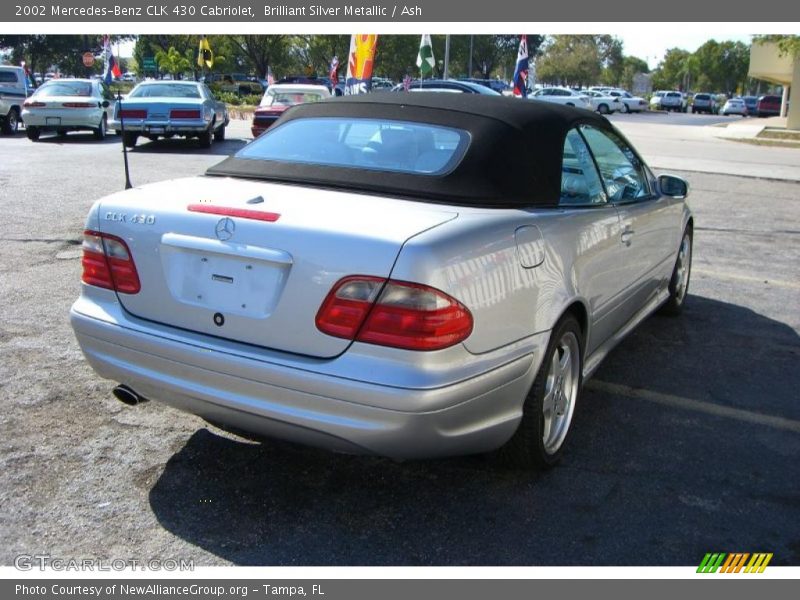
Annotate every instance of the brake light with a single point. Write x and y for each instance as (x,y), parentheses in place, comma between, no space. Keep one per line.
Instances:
(132,113)
(184,114)
(226,211)
(392,313)
(78,105)
(107,263)
(33,104)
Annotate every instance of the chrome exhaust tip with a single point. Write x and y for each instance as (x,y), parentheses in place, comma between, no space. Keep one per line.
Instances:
(127,396)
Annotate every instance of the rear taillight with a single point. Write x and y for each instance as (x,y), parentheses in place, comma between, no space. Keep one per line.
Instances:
(79,105)
(132,113)
(184,114)
(393,313)
(107,263)
(33,104)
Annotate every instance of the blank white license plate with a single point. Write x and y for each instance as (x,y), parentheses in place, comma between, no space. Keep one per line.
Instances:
(156,130)
(53,120)
(224,283)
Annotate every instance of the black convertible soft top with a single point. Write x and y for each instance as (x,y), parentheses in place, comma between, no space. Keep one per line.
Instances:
(513,159)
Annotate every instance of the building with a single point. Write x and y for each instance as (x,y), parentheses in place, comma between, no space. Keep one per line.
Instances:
(767,63)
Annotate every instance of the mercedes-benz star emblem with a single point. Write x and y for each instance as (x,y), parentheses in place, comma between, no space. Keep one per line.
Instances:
(224,229)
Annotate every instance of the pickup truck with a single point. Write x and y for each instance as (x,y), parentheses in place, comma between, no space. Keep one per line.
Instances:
(15,87)
(675,101)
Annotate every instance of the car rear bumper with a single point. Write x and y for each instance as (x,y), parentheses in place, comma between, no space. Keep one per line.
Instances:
(74,119)
(295,401)
(145,127)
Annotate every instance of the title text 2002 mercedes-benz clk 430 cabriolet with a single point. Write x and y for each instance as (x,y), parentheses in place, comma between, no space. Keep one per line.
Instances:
(405,275)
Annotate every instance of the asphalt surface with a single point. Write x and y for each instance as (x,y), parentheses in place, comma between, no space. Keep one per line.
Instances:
(672,118)
(687,440)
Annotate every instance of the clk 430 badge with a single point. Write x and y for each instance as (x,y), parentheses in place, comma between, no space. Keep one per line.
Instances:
(135,219)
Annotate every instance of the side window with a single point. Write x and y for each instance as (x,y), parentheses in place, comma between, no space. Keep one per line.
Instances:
(623,174)
(580,183)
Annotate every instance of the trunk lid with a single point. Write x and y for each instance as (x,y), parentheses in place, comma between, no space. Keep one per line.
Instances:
(251,279)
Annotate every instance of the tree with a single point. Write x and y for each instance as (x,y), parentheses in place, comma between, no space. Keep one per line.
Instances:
(262,52)
(672,70)
(631,66)
(174,62)
(572,60)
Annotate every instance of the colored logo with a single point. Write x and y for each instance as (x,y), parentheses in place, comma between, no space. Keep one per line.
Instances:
(736,562)
(360,62)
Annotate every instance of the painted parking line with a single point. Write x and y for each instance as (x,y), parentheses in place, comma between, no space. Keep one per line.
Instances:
(747,278)
(738,414)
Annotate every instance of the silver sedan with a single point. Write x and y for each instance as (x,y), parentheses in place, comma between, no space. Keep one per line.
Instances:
(407,275)
(165,109)
(63,105)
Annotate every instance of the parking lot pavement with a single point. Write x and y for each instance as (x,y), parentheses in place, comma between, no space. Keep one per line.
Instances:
(685,442)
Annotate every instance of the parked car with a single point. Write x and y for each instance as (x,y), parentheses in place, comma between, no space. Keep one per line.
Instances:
(734,106)
(769,106)
(446,85)
(498,85)
(360,278)
(166,109)
(63,105)
(705,103)
(674,101)
(561,95)
(656,99)
(281,96)
(630,103)
(604,103)
(751,102)
(15,87)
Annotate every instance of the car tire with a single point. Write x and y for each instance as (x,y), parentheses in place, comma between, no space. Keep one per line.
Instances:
(101,130)
(624,110)
(129,139)
(219,134)
(603,109)
(11,122)
(205,139)
(551,401)
(33,133)
(681,273)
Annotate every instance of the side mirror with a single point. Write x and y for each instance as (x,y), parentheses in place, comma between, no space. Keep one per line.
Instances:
(105,104)
(673,186)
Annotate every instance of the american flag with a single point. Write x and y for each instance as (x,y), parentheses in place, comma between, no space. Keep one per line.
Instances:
(407,83)
(333,74)
(270,77)
(112,69)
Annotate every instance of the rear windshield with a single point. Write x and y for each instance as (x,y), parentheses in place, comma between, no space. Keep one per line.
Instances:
(702,97)
(288,98)
(8,77)
(398,146)
(673,95)
(64,88)
(165,90)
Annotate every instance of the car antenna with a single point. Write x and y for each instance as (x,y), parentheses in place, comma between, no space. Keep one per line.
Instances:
(124,147)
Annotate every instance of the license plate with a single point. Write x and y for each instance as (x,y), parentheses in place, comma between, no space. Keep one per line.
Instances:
(224,283)
(53,120)
(156,130)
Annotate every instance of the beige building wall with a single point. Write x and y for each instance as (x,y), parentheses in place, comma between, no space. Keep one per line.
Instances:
(767,63)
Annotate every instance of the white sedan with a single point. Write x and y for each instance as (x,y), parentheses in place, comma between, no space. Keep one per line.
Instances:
(604,103)
(63,105)
(630,103)
(565,96)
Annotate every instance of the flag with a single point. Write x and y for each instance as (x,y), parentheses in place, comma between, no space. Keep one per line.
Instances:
(270,77)
(407,82)
(334,74)
(205,57)
(112,69)
(425,60)
(521,70)
(359,63)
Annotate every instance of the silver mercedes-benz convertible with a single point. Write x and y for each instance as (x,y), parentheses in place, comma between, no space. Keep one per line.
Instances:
(410,275)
